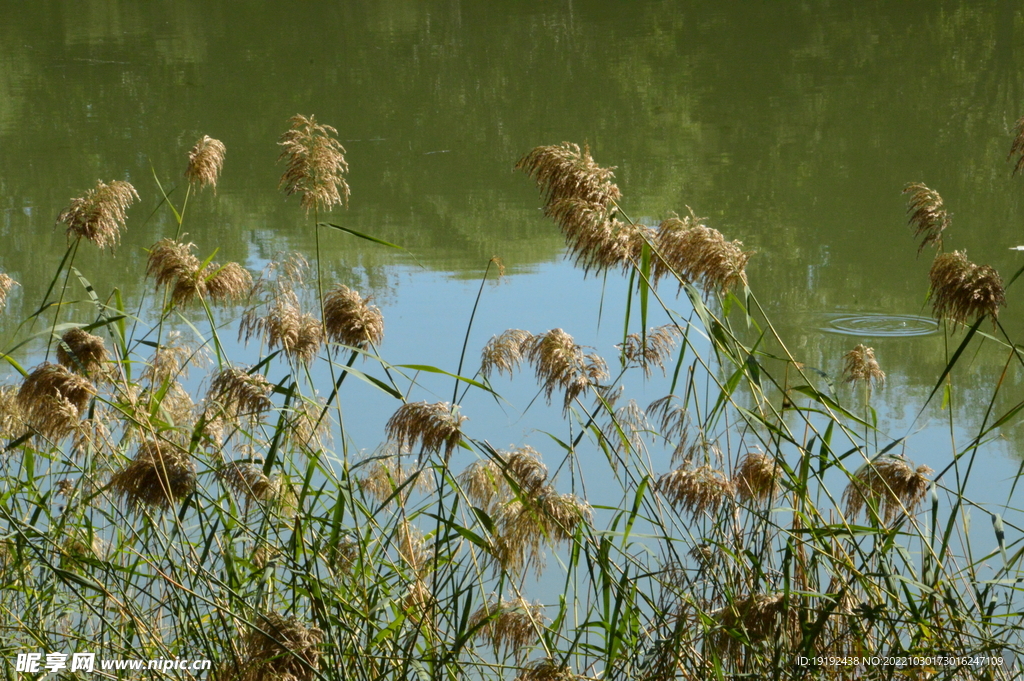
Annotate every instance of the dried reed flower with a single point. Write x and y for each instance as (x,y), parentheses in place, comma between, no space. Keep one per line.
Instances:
(92,435)
(483,483)
(172,263)
(486,482)
(241,393)
(546,670)
(248,480)
(285,326)
(432,425)
(387,479)
(343,555)
(412,548)
(418,601)
(862,367)
(651,350)
(315,164)
(523,524)
(763,618)
(512,624)
(504,352)
(927,216)
(625,431)
(699,254)
(673,420)
(309,425)
(349,320)
(172,360)
(52,399)
(961,290)
(560,363)
(6,284)
(1018,146)
(205,162)
(279,648)
(159,475)
(82,352)
(12,422)
(757,477)
(79,547)
(564,171)
(99,215)
(889,483)
(580,196)
(696,491)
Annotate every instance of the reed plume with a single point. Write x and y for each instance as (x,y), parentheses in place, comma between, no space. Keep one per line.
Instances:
(651,350)
(564,171)
(350,320)
(52,399)
(279,648)
(205,162)
(12,422)
(159,475)
(525,522)
(315,164)
(862,367)
(248,480)
(510,624)
(1017,148)
(889,483)
(673,420)
(696,491)
(99,215)
(546,670)
(757,477)
(6,284)
(561,364)
(172,360)
(763,618)
(432,425)
(172,263)
(483,483)
(504,352)
(82,352)
(626,429)
(699,255)
(284,325)
(961,290)
(387,479)
(927,215)
(412,548)
(580,196)
(241,393)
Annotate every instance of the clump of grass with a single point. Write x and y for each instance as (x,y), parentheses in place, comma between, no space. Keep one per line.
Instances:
(205,161)
(99,214)
(928,217)
(433,426)
(889,484)
(159,476)
(961,290)
(315,163)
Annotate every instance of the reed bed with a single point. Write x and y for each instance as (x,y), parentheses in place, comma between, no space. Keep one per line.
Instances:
(759,523)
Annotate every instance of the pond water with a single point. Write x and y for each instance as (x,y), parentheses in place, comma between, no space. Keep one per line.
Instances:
(792,127)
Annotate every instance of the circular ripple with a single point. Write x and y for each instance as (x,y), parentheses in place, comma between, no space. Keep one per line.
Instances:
(883,325)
